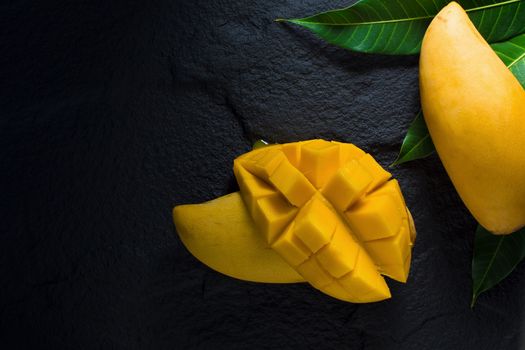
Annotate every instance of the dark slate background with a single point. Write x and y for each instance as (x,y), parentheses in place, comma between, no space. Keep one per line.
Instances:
(112,112)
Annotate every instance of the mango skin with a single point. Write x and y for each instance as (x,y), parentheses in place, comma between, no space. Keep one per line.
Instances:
(222,235)
(475,111)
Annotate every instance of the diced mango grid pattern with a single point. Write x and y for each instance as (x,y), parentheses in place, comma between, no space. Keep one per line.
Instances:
(332,212)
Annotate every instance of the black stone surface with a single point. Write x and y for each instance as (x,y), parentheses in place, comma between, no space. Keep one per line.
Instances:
(112,112)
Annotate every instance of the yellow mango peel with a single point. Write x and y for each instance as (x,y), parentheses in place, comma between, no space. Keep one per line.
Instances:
(317,211)
(221,234)
(474,109)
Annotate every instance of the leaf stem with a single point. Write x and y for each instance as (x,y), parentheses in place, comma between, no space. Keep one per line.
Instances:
(474,299)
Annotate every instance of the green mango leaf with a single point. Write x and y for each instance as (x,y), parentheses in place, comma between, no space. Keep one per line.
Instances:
(397,27)
(494,258)
(512,53)
(417,143)
(260,144)
(417,137)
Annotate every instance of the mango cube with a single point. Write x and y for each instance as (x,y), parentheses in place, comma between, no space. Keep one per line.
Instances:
(348,152)
(391,253)
(294,186)
(379,175)
(292,151)
(374,219)
(319,161)
(391,188)
(315,224)
(272,214)
(347,185)
(339,256)
(314,273)
(252,188)
(263,164)
(365,279)
(336,290)
(291,248)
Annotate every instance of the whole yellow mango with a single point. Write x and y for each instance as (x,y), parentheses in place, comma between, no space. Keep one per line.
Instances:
(475,111)
(316,211)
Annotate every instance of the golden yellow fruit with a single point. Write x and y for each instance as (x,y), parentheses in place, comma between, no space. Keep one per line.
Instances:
(221,234)
(475,111)
(331,212)
(319,211)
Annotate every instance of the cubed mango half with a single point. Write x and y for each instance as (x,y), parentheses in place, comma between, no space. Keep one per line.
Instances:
(332,213)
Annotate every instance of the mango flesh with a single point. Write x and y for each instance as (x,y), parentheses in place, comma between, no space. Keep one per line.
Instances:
(221,234)
(332,212)
(475,111)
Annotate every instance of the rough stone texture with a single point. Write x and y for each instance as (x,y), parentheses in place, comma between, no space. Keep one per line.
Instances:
(115,111)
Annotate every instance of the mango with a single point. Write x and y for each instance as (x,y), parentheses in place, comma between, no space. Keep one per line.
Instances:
(221,234)
(475,111)
(333,215)
(316,211)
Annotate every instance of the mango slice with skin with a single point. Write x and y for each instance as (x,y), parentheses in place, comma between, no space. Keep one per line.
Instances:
(221,234)
(475,109)
(328,209)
